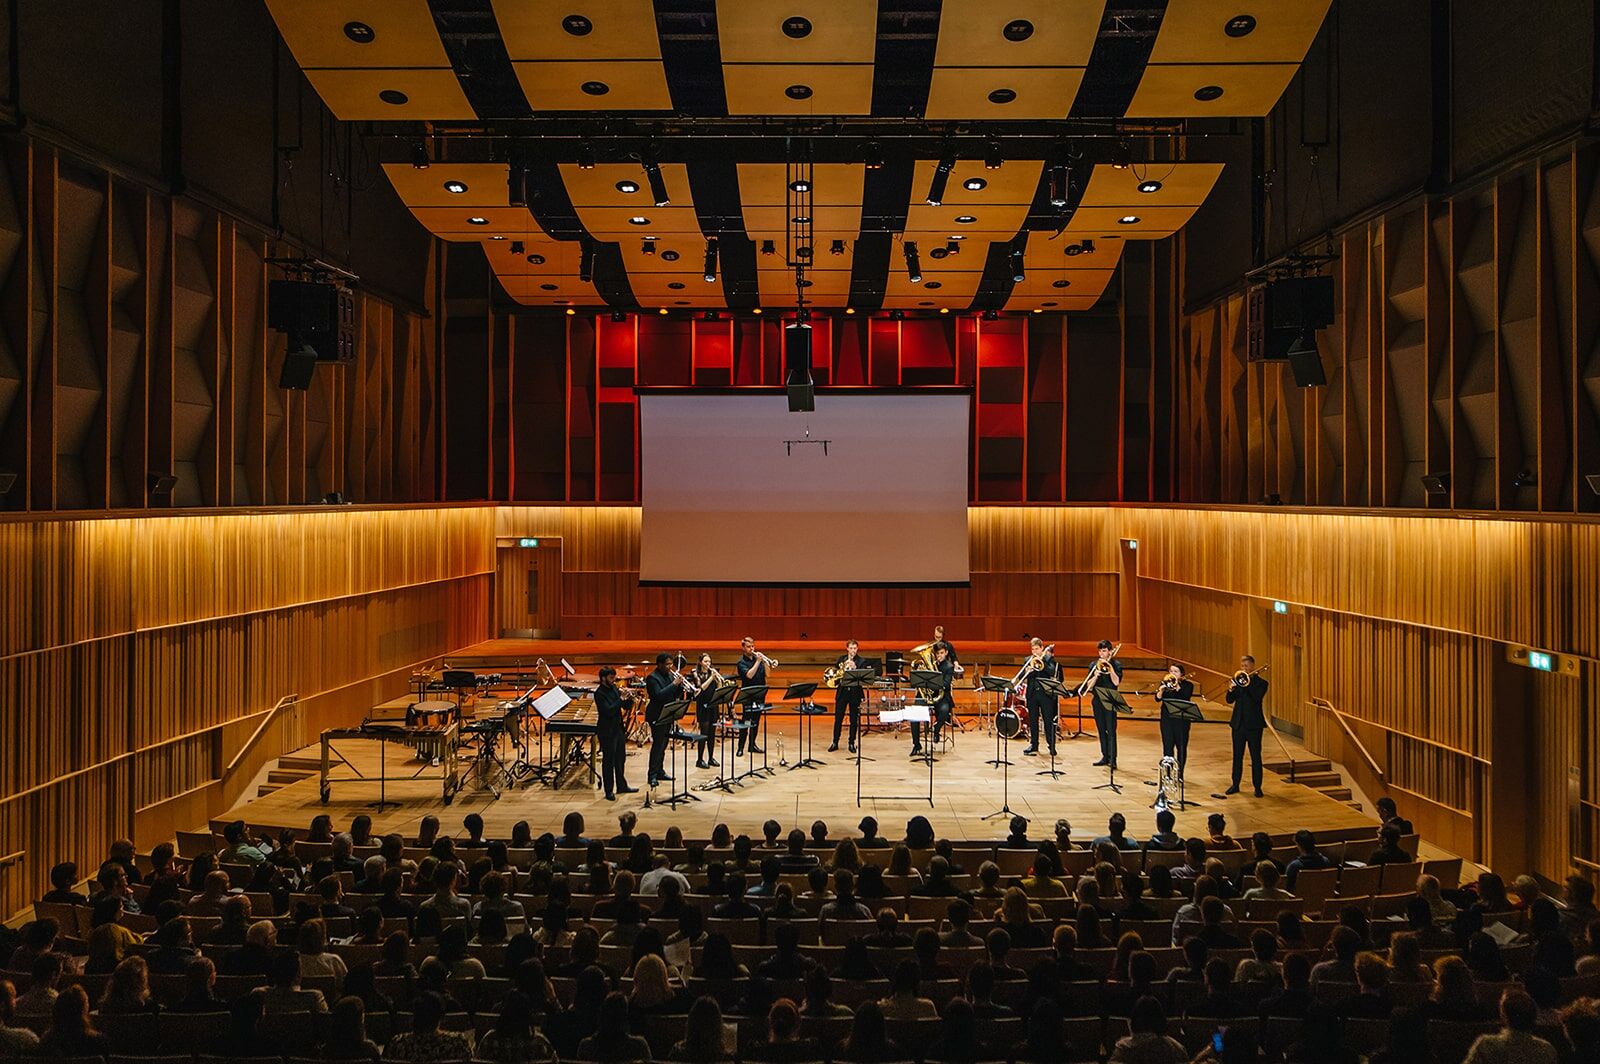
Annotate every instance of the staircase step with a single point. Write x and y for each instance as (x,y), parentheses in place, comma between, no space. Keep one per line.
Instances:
(302,764)
(286,775)
(265,789)
(1319,779)
(1341,794)
(1319,764)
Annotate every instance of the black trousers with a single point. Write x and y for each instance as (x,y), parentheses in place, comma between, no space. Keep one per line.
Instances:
(1042,710)
(658,749)
(753,718)
(613,759)
(941,718)
(847,701)
(705,722)
(1242,738)
(1105,724)
(1175,739)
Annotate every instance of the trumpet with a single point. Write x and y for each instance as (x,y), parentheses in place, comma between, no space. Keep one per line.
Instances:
(771,664)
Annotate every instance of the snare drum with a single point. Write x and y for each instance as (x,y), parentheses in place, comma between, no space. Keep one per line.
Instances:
(1007,723)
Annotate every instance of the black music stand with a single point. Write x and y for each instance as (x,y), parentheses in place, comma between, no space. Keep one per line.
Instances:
(930,684)
(722,736)
(749,697)
(997,685)
(1119,705)
(1005,769)
(859,678)
(1060,691)
(808,710)
(862,741)
(671,714)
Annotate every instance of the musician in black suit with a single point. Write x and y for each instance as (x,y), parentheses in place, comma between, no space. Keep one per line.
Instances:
(611,735)
(1105,677)
(1249,720)
(706,680)
(847,699)
(662,687)
(752,674)
(1041,704)
(942,704)
(1174,729)
(949,648)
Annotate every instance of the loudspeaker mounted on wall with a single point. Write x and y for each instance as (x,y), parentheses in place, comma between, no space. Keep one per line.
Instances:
(797,367)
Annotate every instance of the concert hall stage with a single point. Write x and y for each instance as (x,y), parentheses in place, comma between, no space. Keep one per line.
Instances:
(965,787)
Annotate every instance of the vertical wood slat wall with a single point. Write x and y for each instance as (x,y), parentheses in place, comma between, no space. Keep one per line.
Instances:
(133,340)
(1466,343)
(137,654)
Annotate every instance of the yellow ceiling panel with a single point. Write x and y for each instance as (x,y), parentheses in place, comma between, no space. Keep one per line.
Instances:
(403,33)
(681,285)
(392,94)
(774,89)
(983,33)
(591,85)
(455,223)
(1182,184)
(1052,302)
(544,291)
(1248,89)
(833,184)
(578,29)
(1013,183)
(1197,31)
(1047,283)
(1045,250)
(713,300)
(948,219)
(826,222)
(827,288)
(1003,92)
(604,186)
(674,254)
(797,31)
(1152,223)
(615,223)
(484,184)
(559,258)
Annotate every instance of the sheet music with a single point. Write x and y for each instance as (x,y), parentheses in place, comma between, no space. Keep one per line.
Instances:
(551,702)
(917,714)
(568,666)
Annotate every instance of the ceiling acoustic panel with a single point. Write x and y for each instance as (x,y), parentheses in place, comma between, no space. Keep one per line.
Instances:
(805,57)
(590,55)
(1001,93)
(1022,59)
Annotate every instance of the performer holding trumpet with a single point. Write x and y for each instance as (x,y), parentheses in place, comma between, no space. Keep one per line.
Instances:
(1175,729)
(705,680)
(1041,665)
(611,734)
(663,685)
(752,669)
(1105,675)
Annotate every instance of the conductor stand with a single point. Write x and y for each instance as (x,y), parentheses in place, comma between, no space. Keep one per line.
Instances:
(677,740)
(998,686)
(1058,690)
(808,711)
(1120,707)
(1007,725)
(902,715)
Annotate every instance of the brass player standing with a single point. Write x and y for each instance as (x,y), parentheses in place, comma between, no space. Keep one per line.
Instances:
(847,699)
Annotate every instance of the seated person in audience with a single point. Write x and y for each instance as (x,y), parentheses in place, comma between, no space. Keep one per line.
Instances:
(900,866)
(1388,851)
(1018,838)
(925,944)
(1405,959)
(819,834)
(819,996)
(937,883)
(1133,906)
(63,878)
(1194,864)
(38,938)
(15,1041)
(71,1032)
(1016,918)
(114,882)
(341,853)
(1091,935)
(1580,1022)
(989,882)
(1117,834)
(1160,883)
(174,948)
(787,963)
(868,1042)
(1308,857)
(572,836)
(847,856)
(1119,999)
(1260,850)
(702,1035)
(200,988)
(1344,944)
(164,880)
(1189,913)
(346,1039)
(242,848)
(213,899)
(1372,1000)
(818,892)
(331,891)
(1580,911)
(796,860)
(127,992)
(425,1041)
(1516,1041)
(623,904)
(1267,888)
(1043,880)
(1441,913)
(744,859)
(887,933)
(1063,835)
(1149,1042)
(1454,995)
(444,900)
(1064,944)
(44,976)
(1128,943)
(1483,957)
(370,879)
(568,1028)
(653,993)
(766,885)
(716,959)
(1045,1041)
(283,992)
(870,839)
(491,930)
(1355,918)
(661,869)
(109,941)
(957,921)
(433,977)
(770,830)
(392,850)
(623,839)
(1262,964)
(1552,949)
(870,886)
(455,955)
(1193,969)
(613,1040)
(844,905)
(311,942)
(903,1002)
(392,902)
(919,834)
(782,1043)
(1220,1001)
(368,929)
(121,853)
(1294,999)
(998,945)
(958,1041)
(1217,832)
(980,994)
(1389,814)
(1165,838)
(256,955)
(427,833)
(736,906)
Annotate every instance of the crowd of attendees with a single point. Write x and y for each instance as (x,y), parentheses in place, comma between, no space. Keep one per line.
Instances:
(798,946)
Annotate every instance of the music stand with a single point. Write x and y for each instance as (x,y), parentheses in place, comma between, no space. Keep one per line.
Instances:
(1119,705)
(997,686)
(919,714)
(1059,690)
(808,711)
(749,696)
(721,698)
(930,684)
(1001,733)
(671,714)
(858,678)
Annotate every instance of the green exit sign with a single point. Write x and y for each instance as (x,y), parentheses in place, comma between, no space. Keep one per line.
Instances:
(1280,607)
(1538,659)
(527,541)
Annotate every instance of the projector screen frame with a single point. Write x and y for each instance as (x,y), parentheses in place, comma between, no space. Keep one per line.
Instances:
(822,393)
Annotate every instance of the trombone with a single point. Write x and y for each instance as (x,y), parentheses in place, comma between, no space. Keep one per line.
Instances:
(1244,676)
(1097,669)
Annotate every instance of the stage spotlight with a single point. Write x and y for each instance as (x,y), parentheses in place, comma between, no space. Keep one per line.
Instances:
(768,248)
(991,157)
(941,176)
(1122,156)
(585,261)
(586,156)
(1436,483)
(873,156)
(419,155)
(649,247)
(1015,261)
(1525,479)
(711,259)
(517,248)
(836,248)
(517,184)
(897,315)
(619,316)
(953,247)
(991,315)
(1060,180)
(658,184)
(913,261)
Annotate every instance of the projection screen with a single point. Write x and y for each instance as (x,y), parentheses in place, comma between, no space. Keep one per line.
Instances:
(736,489)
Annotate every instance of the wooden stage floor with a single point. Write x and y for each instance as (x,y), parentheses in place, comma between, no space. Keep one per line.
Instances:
(966,788)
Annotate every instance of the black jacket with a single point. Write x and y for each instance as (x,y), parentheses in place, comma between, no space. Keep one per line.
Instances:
(1249,713)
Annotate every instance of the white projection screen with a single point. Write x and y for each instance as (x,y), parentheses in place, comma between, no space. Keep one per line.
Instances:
(725,501)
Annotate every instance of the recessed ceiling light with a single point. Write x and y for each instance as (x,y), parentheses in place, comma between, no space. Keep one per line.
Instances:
(799,184)
(944,310)
(1149,186)
(638,219)
(549,288)
(925,303)
(394,97)
(676,286)
(1063,283)
(457,187)
(798,92)
(595,88)
(1207,93)
(570,311)
(1239,26)
(796,27)
(1018,29)
(939,253)
(536,259)
(974,184)
(958,236)
(662,310)
(627,187)
(475,220)
(933,284)
(680,302)
(801,219)
(965,219)
(359,32)
(1049,303)
(1128,219)
(669,255)
(577,25)
(497,236)
(1002,95)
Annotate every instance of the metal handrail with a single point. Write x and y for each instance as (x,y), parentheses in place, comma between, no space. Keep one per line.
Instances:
(255,736)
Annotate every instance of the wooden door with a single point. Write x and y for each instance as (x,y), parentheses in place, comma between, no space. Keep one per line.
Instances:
(528,590)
